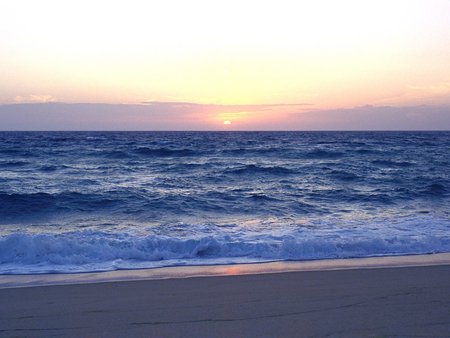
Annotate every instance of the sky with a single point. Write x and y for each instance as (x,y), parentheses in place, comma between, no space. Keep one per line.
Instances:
(226,64)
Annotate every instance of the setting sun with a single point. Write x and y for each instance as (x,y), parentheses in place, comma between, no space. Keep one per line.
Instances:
(227,122)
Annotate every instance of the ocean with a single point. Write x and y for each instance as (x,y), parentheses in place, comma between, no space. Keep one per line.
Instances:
(101,201)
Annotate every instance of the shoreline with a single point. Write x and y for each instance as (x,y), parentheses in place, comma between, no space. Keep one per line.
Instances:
(181,272)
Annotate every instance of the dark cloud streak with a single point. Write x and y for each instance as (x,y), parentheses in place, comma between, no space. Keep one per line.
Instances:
(424,117)
(193,116)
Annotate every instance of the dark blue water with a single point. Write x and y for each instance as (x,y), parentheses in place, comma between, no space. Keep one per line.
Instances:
(84,201)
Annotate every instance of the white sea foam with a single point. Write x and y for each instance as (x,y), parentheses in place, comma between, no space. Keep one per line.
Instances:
(83,251)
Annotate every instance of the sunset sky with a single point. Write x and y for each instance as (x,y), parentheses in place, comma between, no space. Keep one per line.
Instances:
(252,63)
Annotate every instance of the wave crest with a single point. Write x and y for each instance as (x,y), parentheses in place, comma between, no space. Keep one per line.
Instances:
(96,250)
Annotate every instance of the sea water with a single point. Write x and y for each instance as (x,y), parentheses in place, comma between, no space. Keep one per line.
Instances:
(97,201)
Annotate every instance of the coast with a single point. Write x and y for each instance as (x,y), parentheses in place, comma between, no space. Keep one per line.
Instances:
(401,300)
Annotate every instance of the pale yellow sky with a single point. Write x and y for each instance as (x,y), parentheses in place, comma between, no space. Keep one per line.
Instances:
(329,54)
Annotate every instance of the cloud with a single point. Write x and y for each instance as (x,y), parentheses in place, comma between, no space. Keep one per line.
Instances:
(422,117)
(193,116)
(98,116)
(34,98)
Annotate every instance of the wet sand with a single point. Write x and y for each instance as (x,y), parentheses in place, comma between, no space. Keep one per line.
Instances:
(376,302)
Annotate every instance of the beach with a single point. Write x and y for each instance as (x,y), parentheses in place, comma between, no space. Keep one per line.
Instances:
(408,301)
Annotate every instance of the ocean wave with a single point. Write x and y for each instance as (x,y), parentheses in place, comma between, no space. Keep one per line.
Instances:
(257,169)
(323,154)
(94,250)
(435,190)
(164,152)
(51,168)
(365,150)
(15,152)
(21,204)
(344,175)
(118,154)
(255,151)
(391,163)
(13,164)
(24,205)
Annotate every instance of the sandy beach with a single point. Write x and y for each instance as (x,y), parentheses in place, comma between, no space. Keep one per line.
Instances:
(375,302)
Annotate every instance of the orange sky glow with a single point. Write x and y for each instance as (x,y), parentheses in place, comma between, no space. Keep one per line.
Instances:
(253,63)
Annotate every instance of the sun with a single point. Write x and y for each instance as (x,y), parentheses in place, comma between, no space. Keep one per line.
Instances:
(227,122)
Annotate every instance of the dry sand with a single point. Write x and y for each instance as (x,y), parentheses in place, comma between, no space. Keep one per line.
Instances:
(381,302)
